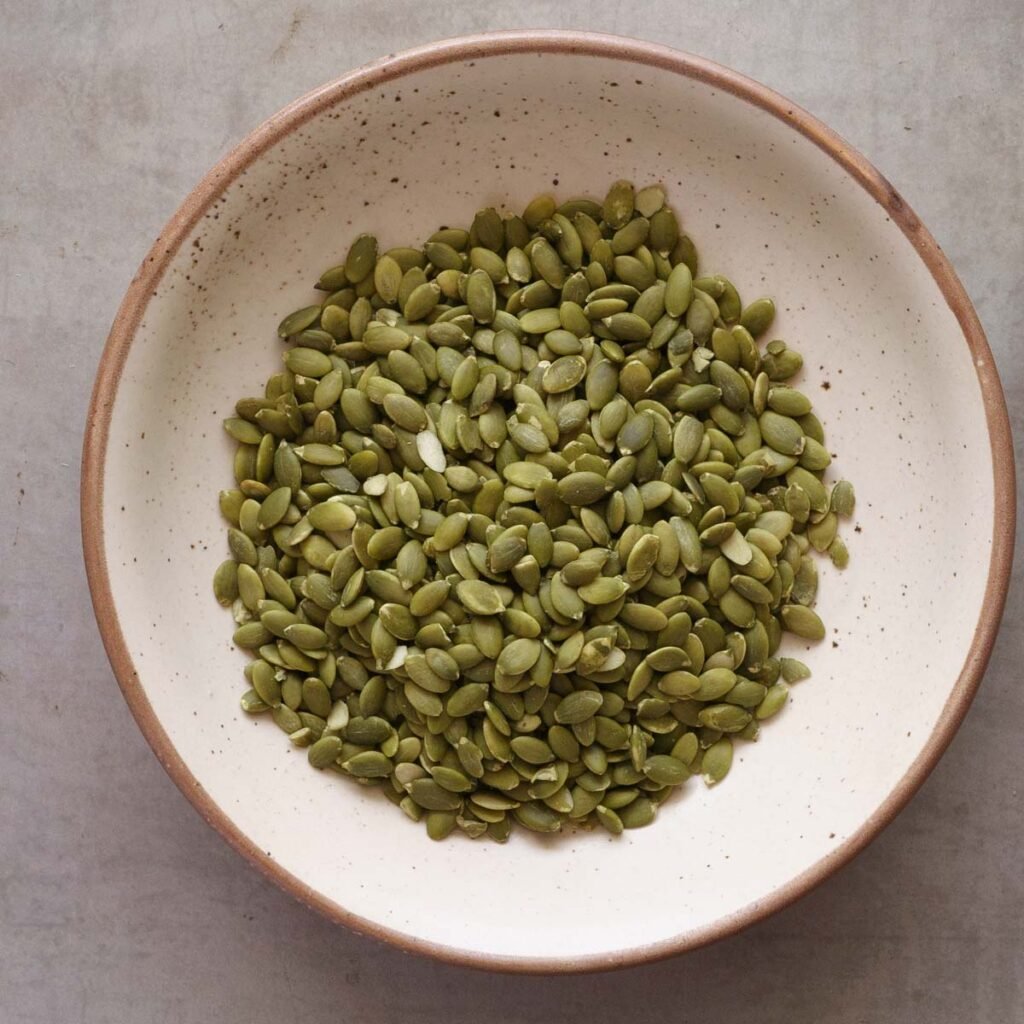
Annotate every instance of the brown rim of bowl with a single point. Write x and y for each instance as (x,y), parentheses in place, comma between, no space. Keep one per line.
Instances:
(587,44)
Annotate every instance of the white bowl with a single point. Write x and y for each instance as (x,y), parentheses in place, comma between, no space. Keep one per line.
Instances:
(896,362)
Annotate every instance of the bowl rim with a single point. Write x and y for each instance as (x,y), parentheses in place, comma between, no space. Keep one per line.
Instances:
(396,66)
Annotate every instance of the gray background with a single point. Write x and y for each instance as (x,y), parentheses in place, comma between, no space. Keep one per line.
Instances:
(116,902)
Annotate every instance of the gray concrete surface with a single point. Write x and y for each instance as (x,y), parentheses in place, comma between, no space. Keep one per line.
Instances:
(117,904)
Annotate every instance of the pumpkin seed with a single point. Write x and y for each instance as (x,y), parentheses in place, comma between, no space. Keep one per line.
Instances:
(802,621)
(609,819)
(774,699)
(578,707)
(479,598)
(225,582)
(665,770)
(431,796)
(361,258)
(582,488)
(619,204)
(717,761)
(758,316)
(368,764)
(842,498)
(325,751)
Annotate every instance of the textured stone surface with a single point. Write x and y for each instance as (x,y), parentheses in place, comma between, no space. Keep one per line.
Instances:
(116,902)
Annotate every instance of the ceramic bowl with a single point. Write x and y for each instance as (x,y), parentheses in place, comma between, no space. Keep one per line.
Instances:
(896,363)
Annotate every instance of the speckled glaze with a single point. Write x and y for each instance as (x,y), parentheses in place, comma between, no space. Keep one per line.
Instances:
(896,364)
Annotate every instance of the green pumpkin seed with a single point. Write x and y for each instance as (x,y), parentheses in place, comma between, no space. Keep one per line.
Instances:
(531,749)
(793,671)
(630,236)
(665,770)
(431,796)
(842,498)
(361,258)
(639,813)
(564,374)
(325,751)
(773,702)
(369,764)
(619,204)
(609,819)
(650,200)
(225,582)
(782,433)
(479,598)
(839,553)
(582,488)
(724,717)
(578,707)
(537,817)
(758,316)
(802,621)
(788,402)
(519,656)
(603,591)
(717,761)
(298,321)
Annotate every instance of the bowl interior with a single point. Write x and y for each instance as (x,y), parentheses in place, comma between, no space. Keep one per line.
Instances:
(885,363)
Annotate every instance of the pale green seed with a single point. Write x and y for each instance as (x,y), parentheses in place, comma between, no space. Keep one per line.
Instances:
(387,278)
(564,374)
(540,321)
(481,297)
(603,590)
(839,553)
(782,433)
(333,515)
(788,402)
(619,204)
(717,761)
(758,316)
(451,779)
(630,236)
(823,533)
(815,456)
(664,231)
(298,321)
(429,598)
(609,819)
(773,702)
(225,582)
(519,656)
(361,258)
(421,301)
(842,498)
(467,700)
(325,751)
(369,764)
(793,670)
(479,597)
(802,621)
(431,796)
(582,488)
(531,749)
(665,770)
(537,817)
(628,327)
(578,707)
(724,717)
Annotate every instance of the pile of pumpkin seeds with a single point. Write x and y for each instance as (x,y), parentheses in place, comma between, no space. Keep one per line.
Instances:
(520,526)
